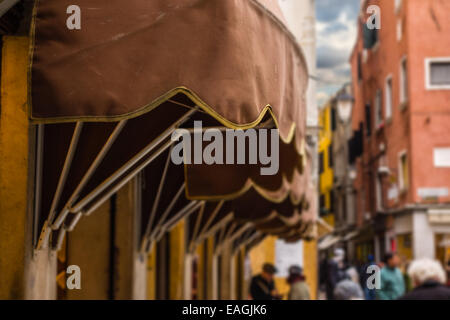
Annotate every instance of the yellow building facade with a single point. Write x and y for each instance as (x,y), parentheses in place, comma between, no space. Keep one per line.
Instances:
(326,165)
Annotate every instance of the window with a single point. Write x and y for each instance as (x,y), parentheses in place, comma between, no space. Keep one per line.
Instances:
(333,119)
(368,121)
(360,77)
(403,171)
(403,81)
(378,110)
(330,156)
(437,73)
(398,5)
(321,164)
(322,204)
(379,193)
(388,98)
(370,36)
(399,30)
(331,197)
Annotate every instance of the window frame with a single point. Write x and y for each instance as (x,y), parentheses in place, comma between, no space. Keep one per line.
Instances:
(378,109)
(398,5)
(330,156)
(379,193)
(401,179)
(399,30)
(388,115)
(428,63)
(321,162)
(368,119)
(403,81)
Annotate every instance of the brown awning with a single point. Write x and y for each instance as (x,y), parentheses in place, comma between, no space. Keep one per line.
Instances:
(234,59)
(108,97)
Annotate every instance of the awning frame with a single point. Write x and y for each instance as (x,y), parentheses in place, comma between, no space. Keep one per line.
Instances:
(89,204)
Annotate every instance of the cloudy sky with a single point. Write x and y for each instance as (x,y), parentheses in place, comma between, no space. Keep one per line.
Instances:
(336,34)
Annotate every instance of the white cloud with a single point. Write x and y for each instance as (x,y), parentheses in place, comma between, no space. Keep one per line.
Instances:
(335,41)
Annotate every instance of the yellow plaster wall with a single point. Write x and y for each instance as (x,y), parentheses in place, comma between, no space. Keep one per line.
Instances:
(327,176)
(311,266)
(209,272)
(201,294)
(14,133)
(177,253)
(88,247)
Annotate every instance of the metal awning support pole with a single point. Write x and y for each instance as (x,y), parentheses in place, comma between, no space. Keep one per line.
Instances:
(74,222)
(5,5)
(182,214)
(186,211)
(166,212)
(64,229)
(231,236)
(215,228)
(256,240)
(163,226)
(38,184)
(58,241)
(230,231)
(196,227)
(242,238)
(240,231)
(248,240)
(158,196)
(116,175)
(210,219)
(65,172)
(101,155)
(130,176)
(220,239)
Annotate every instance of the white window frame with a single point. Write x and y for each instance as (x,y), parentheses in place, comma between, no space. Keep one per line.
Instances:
(388,115)
(399,30)
(398,5)
(378,193)
(428,62)
(401,178)
(378,108)
(403,95)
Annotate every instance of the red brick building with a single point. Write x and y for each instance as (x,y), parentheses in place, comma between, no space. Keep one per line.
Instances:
(401,85)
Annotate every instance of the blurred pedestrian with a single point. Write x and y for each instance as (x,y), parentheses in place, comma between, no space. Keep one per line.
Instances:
(262,286)
(351,272)
(323,269)
(299,289)
(335,272)
(392,283)
(428,279)
(348,290)
(369,294)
